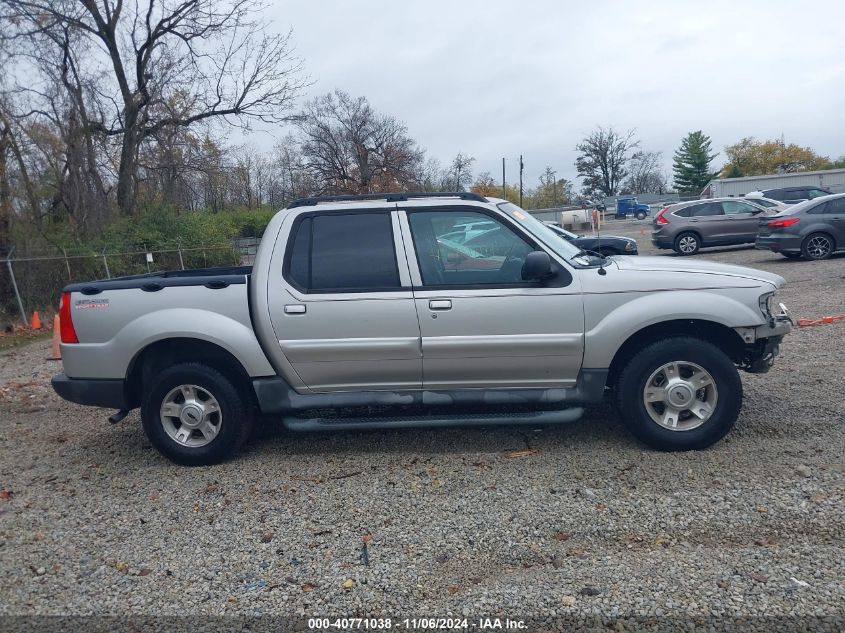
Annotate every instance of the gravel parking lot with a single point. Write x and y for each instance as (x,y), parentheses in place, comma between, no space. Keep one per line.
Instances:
(539,524)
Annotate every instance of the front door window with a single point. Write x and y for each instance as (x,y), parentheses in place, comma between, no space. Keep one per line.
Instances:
(459,249)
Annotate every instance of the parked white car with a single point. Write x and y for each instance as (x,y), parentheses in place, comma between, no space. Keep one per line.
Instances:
(771,206)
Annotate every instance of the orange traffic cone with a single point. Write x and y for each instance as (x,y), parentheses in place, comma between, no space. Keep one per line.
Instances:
(57,339)
(36,321)
(642,231)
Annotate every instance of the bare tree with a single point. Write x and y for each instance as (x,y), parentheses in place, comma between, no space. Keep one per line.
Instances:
(602,158)
(459,174)
(645,173)
(289,174)
(351,148)
(218,52)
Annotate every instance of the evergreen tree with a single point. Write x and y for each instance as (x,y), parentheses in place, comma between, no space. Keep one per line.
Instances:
(692,163)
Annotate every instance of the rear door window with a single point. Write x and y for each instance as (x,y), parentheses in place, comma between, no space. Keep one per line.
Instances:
(337,252)
(835,207)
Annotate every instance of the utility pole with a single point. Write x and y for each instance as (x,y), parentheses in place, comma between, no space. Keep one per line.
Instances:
(554,187)
(504,185)
(521,167)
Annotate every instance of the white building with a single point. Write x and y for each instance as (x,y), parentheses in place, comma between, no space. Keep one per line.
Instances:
(833,179)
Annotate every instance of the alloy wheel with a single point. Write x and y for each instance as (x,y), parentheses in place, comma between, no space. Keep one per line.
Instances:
(687,244)
(191,416)
(819,247)
(680,396)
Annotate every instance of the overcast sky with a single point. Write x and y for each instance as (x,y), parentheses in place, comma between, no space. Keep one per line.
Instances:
(494,79)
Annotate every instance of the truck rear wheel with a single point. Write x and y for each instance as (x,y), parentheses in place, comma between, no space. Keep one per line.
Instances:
(194,415)
(679,394)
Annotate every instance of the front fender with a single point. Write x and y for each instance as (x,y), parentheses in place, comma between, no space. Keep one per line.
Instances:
(112,358)
(604,337)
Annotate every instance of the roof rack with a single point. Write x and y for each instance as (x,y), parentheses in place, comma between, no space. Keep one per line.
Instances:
(387,197)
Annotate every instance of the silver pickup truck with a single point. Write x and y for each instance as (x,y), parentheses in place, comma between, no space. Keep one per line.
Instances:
(421,310)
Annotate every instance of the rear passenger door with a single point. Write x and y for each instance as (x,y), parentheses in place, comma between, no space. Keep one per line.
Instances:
(345,316)
(834,214)
(743,221)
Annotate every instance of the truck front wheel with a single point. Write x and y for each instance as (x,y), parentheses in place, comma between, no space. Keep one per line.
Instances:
(194,415)
(679,394)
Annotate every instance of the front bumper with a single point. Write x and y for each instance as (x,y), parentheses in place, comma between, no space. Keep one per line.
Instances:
(93,392)
(760,355)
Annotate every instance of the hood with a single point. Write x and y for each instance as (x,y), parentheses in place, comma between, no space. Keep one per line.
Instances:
(593,236)
(678,265)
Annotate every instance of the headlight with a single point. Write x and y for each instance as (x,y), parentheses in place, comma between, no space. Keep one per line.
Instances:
(766,303)
(629,246)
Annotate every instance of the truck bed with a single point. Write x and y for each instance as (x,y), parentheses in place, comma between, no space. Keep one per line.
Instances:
(211,277)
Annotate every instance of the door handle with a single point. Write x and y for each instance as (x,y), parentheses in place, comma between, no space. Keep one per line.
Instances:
(442,304)
(295,309)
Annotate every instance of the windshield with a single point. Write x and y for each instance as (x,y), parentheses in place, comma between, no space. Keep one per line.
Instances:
(542,232)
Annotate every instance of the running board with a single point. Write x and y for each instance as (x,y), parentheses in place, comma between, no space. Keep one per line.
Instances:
(561,416)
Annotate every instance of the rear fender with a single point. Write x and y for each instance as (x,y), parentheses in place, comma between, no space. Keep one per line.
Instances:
(113,358)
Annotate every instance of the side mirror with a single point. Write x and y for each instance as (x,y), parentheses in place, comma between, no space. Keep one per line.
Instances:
(537,266)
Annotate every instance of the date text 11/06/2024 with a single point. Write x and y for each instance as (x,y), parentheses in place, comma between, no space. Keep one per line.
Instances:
(415,624)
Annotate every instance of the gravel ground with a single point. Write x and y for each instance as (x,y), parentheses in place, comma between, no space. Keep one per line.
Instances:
(539,524)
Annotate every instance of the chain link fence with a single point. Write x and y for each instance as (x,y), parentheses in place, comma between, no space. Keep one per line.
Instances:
(33,278)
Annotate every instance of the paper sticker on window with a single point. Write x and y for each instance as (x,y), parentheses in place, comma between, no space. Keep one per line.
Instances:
(518,215)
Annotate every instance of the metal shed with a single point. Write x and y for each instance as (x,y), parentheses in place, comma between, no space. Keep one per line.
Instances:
(833,179)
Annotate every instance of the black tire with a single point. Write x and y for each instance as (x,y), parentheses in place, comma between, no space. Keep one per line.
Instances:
(630,399)
(641,216)
(234,423)
(684,239)
(817,246)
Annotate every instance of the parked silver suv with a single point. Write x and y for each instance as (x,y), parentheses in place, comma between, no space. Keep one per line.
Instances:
(371,303)
(687,227)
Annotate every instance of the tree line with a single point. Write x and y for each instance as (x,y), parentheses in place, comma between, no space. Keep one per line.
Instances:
(109,110)
(611,162)
(112,109)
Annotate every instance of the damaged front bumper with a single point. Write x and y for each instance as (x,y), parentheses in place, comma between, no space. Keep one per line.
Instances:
(762,343)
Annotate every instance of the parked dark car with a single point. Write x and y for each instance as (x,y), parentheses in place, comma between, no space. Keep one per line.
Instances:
(814,229)
(602,244)
(687,227)
(794,195)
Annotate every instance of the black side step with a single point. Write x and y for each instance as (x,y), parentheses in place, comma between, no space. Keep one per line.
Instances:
(561,416)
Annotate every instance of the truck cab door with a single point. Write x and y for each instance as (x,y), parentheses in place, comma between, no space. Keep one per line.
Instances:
(342,309)
(482,326)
